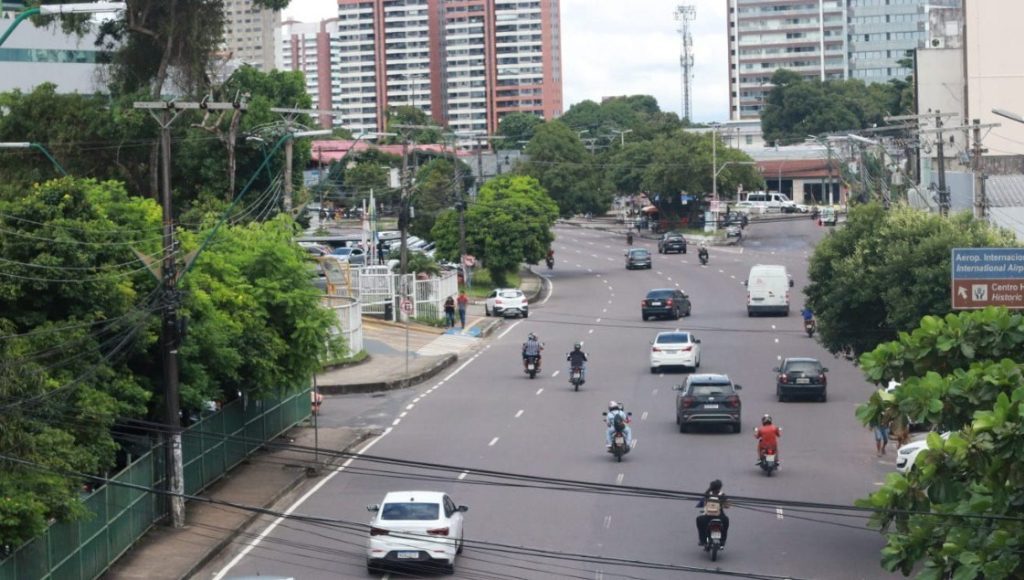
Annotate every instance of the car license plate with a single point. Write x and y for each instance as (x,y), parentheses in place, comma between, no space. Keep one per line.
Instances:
(655,303)
(711,406)
(408,555)
(530,367)
(716,535)
(803,381)
(769,458)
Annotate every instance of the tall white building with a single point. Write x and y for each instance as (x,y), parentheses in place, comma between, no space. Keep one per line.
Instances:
(251,34)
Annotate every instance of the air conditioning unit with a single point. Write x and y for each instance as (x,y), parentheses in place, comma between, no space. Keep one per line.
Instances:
(937,42)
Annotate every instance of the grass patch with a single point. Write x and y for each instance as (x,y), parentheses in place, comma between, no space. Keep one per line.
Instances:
(482,284)
(430,321)
(348,360)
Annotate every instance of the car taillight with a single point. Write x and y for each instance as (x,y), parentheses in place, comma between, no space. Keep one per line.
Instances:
(783,378)
(732,401)
(686,349)
(498,301)
(655,349)
(668,302)
(688,402)
(438,532)
(378,532)
(822,379)
(643,303)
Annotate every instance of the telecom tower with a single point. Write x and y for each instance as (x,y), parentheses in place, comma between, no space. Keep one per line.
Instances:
(684,15)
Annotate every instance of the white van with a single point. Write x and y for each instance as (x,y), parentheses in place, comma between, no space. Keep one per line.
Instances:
(771,201)
(768,290)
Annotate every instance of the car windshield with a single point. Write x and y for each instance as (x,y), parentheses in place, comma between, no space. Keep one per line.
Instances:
(673,338)
(342,251)
(638,253)
(711,390)
(803,366)
(659,294)
(410,511)
(510,294)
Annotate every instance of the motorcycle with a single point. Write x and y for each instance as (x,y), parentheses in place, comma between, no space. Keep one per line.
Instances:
(550,262)
(629,239)
(810,325)
(769,462)
(532,365)
(713,543)
(576,377)
(619,446)
(703,258)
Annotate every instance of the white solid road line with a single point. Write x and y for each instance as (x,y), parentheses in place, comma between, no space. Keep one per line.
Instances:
(551,291)
(509,329)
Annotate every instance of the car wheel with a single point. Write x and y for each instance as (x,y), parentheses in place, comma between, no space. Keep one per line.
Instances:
(644,316)
(371,567)
(654,370)
(675,314)
(736,428)
(684,249)
(448,568)
(779,395)
(487,311)
(683,427)
(462,544)
(697,366)
(526,314)
(689,310)
(823,397)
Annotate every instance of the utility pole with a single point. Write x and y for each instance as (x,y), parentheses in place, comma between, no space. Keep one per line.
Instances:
(980,199)
(460,204)
(403,212)
(479,161)
(940,150)
(165,113)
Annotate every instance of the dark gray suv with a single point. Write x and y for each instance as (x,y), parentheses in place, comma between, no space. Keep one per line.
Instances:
(708,399)
(801,377)
(638,258)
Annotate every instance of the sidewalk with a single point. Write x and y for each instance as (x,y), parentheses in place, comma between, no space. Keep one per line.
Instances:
(168,554)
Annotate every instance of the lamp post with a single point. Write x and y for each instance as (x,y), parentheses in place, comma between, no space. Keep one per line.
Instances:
(40,148)
(60,9)
(622,135)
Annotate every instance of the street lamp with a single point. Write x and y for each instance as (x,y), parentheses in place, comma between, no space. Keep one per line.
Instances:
(1009,115)
(40,148)
(60,9)
(622,136)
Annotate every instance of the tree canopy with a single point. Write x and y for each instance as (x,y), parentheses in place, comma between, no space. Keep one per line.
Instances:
(566,170)
(517,129)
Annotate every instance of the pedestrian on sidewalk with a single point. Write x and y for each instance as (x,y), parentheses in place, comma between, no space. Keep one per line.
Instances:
(463,303)
(449,312)
(881,428)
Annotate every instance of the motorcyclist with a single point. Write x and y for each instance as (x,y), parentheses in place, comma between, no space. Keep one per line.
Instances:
(807,313)
(578,359)
(702,253)
(714,503)
(617,410)
(629,238)
(767,436)
(532,347)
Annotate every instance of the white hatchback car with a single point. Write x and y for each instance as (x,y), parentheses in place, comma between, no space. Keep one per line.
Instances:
(506,302)
(415,527)
(675,348)
(907,454)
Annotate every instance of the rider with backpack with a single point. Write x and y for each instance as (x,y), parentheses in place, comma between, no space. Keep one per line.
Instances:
(618,420)
(714,503)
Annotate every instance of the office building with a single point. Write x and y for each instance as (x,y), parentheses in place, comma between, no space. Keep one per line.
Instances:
(250,34)
(805,36)
(885,32)
(466,63)
(34,55)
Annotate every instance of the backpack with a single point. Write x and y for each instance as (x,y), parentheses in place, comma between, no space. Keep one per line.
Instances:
(712,506)
(619,423)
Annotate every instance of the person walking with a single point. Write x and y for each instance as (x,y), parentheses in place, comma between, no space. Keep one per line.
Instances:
(881,429)
(463,302)
(449,312)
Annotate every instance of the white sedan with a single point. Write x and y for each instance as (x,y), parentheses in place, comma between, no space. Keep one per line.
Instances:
(907,454)
(415,527)
(675,348)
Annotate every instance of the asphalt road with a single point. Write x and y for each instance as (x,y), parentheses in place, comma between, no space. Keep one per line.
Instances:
(488,415)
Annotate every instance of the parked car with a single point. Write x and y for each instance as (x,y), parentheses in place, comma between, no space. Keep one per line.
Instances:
(316,250)
(670,302)
(672,242)
(506,302)
(354,256)
(638,258)
(801,377)
(675,348)
(415,527)
(708,399)
(907,454)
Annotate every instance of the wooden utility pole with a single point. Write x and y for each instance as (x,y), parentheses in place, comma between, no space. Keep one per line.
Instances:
(980,199)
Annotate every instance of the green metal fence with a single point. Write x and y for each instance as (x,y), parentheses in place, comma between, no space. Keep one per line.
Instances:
(84,549)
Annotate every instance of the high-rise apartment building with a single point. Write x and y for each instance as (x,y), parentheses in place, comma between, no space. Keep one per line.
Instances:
(466,63)
(250,34)
(883,32)
(805,36)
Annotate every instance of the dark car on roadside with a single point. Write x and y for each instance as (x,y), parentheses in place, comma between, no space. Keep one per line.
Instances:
(638,258)
(801,377)
(708,399)
(672,242)
(665,302)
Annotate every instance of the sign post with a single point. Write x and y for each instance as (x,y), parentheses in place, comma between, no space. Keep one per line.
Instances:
(984,277)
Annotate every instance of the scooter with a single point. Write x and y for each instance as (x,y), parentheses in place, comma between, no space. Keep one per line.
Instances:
(532,365)
(619,446)
(576,377)
(769,462)
(713,543)
(703,258)
(550,262)
(810,325)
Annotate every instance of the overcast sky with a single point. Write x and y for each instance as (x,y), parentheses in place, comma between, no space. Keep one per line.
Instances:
(625,47)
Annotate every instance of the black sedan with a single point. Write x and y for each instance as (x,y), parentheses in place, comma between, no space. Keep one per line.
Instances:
(801,377)
(638,258)
(665,302)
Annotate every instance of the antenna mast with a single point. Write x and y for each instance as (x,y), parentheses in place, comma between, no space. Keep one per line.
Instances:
(684,15)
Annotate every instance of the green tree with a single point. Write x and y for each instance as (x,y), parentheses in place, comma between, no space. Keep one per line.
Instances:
(517,129)
(509,224)
(564,169)
(412,117)
(884,270)
(435,190)
(958,512)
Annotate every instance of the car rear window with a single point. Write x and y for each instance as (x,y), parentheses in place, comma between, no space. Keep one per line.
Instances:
(410,511)
(659,294)
(638,253)
(674,238)
(673,338)
(511,294)
(806,367)
(711,390)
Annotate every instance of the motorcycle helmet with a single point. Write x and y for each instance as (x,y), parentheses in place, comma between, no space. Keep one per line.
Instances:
(577,346)
(766,419)
(612,406)
(531,336)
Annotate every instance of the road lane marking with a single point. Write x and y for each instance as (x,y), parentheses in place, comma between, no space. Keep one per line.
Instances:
(659,273)
(416,400)
(519,413)
(603,310)
(409,407)
(635,443)
(607,522)
(591,331)
(721,271)
(598,320)
(619,478)
(773,327)
(463,475)
(776,341)
(493,441)
(654,392)
(670,278)
(509,329)
(643,417)
(404,413)
(733,276)
(396,422)
(539,391)
(778,513)
(551,291)
(555,374)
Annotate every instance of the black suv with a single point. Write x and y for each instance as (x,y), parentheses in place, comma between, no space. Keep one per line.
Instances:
(801,377)
(708,399)
(672,242)
(638,258)
(670,302)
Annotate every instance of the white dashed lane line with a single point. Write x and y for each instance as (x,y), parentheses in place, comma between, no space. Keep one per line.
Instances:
(619,478)
(493,441)
(555,374)
(519,413)
(539,391)
(607,522)
(654,392)
(591,331)
(463,475)
(643,417)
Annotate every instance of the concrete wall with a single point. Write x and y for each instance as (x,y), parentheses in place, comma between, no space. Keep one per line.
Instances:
(995,70)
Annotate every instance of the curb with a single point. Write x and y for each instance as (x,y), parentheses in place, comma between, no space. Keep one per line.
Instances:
(487,328)
(364,434)
(530,299)
(390,385)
